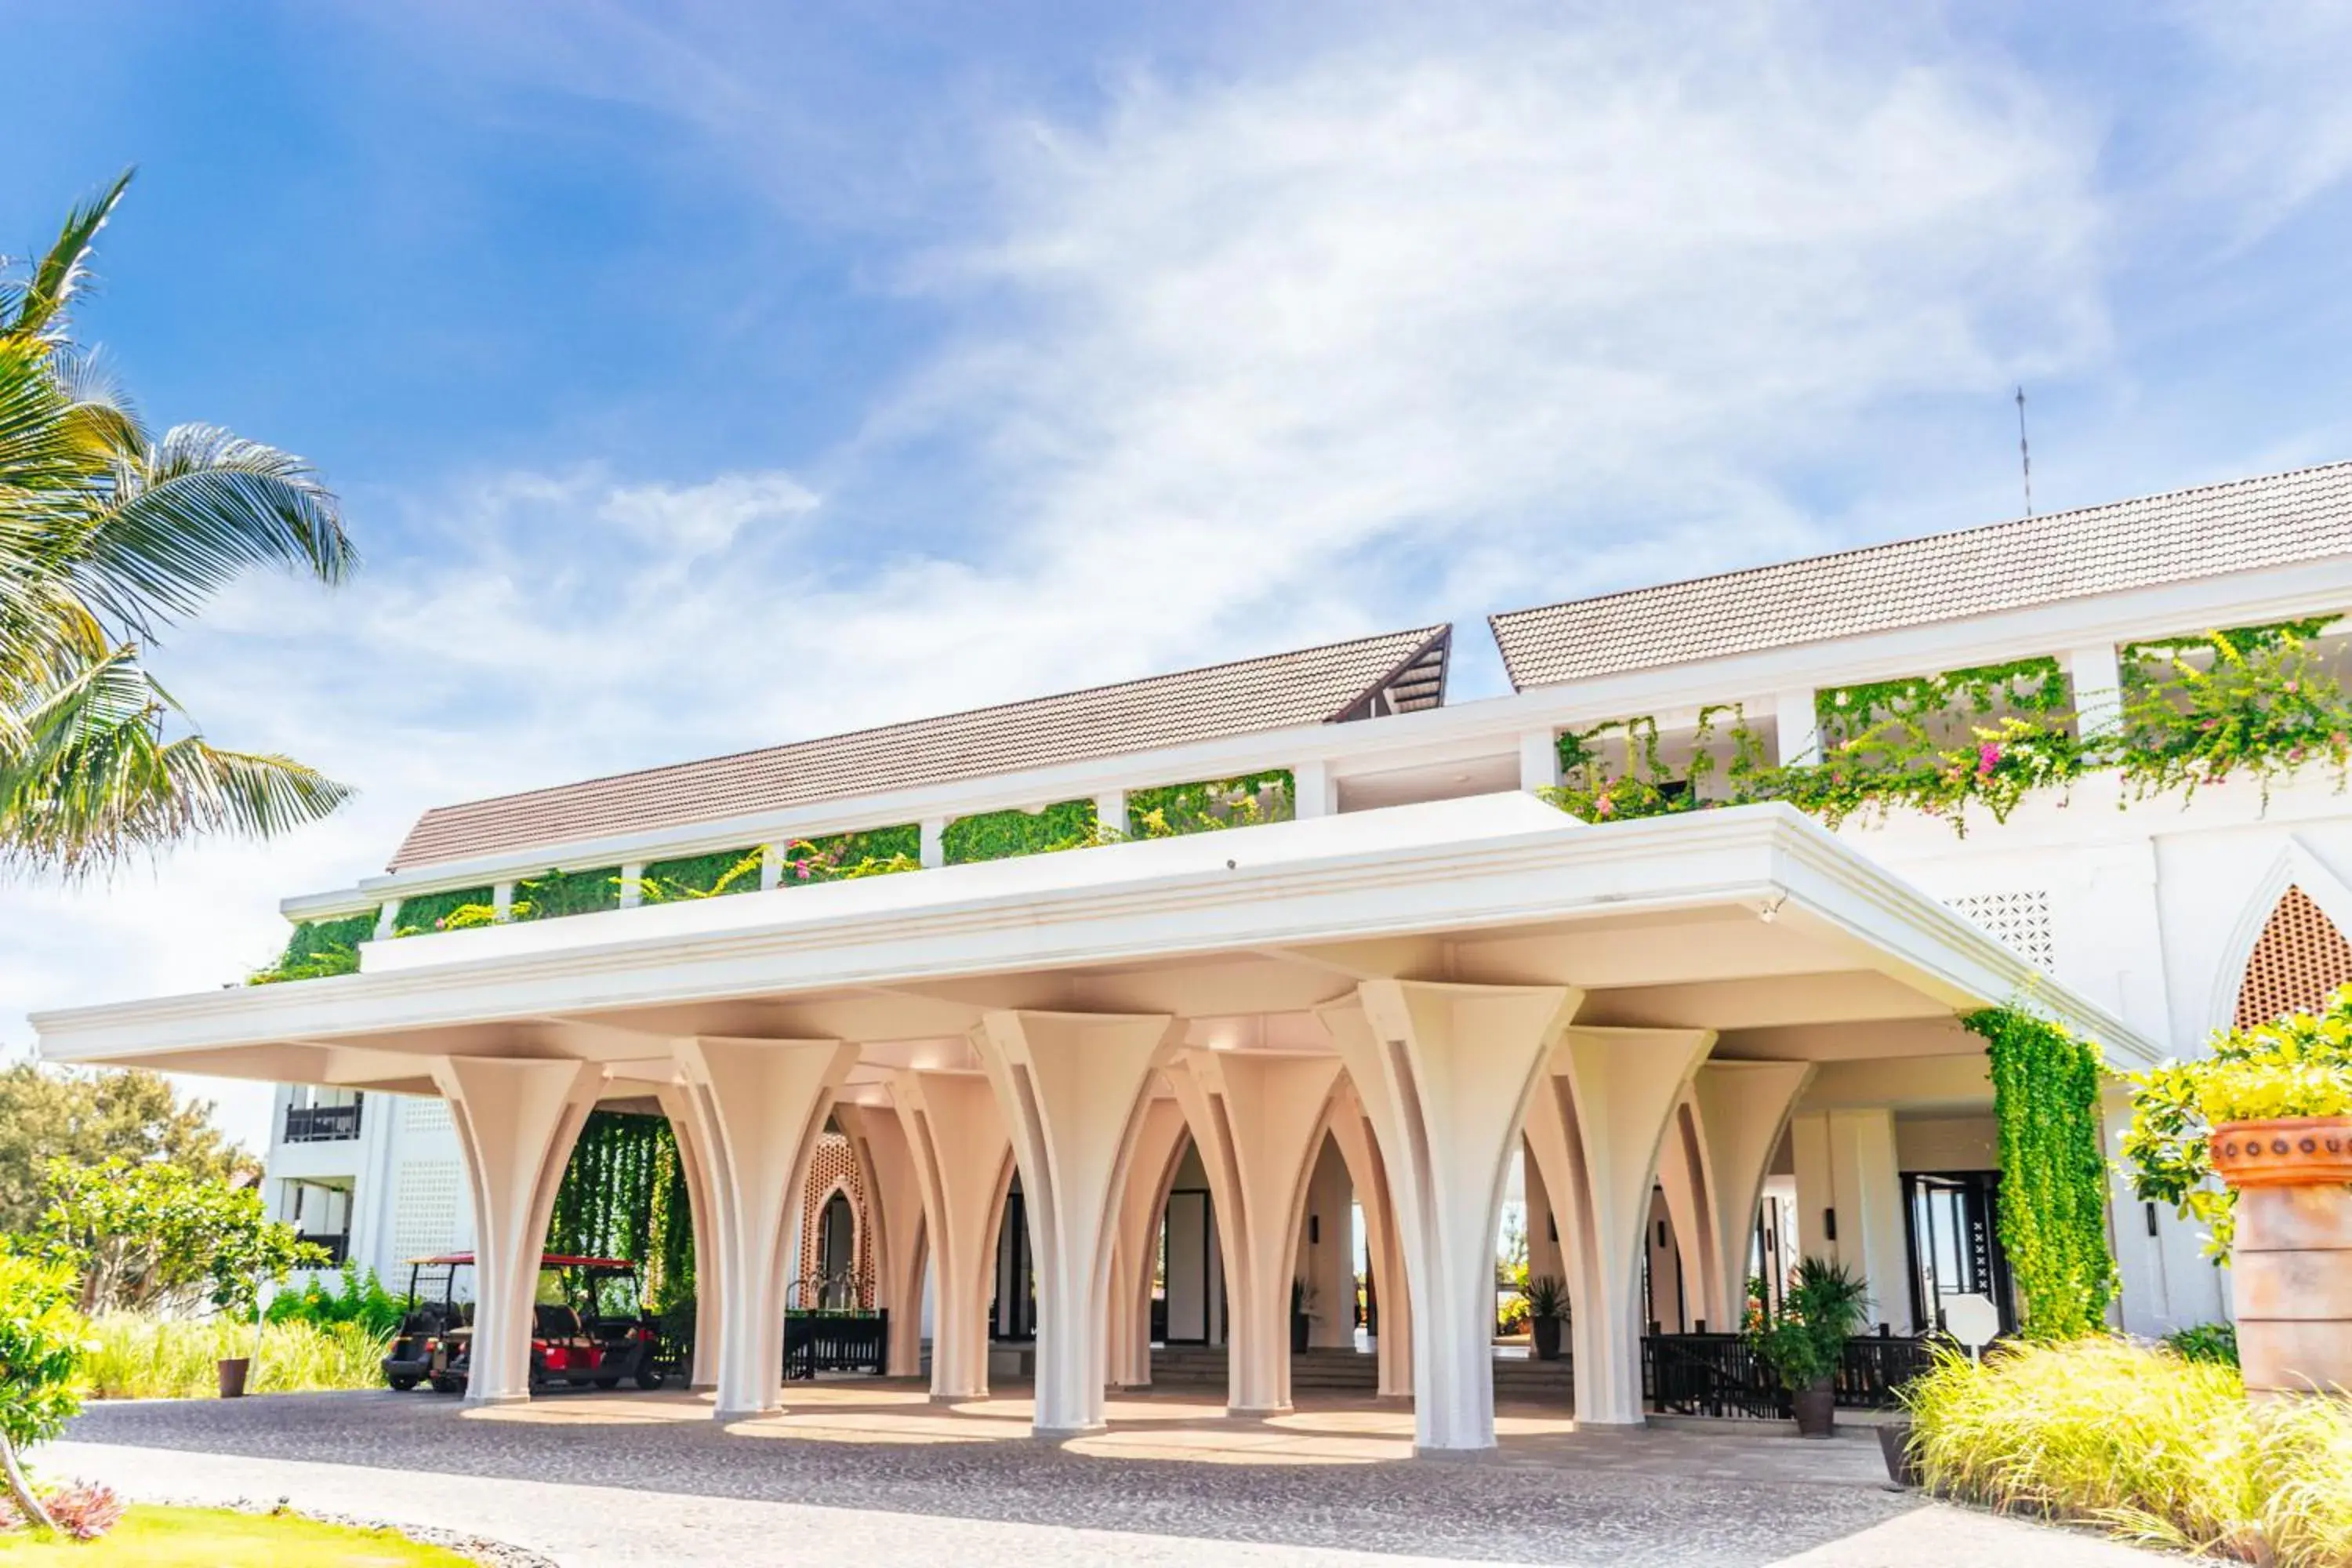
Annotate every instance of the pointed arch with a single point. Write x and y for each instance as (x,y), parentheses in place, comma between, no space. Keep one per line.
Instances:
(2288,950)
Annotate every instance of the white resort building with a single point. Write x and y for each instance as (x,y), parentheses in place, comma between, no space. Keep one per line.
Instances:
(1676,940)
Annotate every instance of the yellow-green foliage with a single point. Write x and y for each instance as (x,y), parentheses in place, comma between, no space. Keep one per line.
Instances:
(157,1537)
(2157,1449)
(135,1357)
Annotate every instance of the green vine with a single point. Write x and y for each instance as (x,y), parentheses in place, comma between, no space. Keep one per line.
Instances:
(561,893)
(319,949)
(1207,805)
(625,1196)
(847,857)
(2196,710)
(1001,835)
(2054,1191)
(712,876)
(444,911)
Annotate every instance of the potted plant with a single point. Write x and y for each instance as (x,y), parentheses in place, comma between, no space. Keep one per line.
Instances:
(1302,1314)
(2270,1112)
(1546,1299)
(1803,1339)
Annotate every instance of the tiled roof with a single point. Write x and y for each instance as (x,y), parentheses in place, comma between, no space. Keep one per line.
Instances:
(2272,521)
(1394,671)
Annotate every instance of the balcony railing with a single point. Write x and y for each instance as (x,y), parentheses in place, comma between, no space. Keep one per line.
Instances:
(322,1123)
(337,1247)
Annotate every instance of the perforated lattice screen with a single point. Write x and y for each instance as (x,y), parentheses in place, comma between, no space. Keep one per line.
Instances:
(834,1164)
(424,1220)
(421,1116)
(2020,920)
(2297,963)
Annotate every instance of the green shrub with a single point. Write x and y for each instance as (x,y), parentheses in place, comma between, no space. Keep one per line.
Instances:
(42,1346)
(351,1299)
(1205,805)
(2215,1343)
(1001,835)
(2154,1447)
(136,1357)
(433,912)
(317,948)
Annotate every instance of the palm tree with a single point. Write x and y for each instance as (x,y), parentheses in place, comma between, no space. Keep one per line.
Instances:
(108,534)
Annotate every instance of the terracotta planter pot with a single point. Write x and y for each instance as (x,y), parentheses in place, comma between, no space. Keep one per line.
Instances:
(2293,1255)
(232,1376)
(1816,1410)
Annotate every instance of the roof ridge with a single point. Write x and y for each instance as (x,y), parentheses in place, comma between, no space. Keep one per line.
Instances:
(1975,529)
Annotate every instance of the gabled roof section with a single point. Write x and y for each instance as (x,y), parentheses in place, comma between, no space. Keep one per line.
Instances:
(1393,672)
(2276,520)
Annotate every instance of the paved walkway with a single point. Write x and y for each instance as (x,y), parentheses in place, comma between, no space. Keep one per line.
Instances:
(601,1481)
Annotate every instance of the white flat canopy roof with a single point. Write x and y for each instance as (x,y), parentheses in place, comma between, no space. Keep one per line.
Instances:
(1753,922)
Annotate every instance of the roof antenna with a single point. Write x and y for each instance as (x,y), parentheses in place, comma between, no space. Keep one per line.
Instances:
(2024,452)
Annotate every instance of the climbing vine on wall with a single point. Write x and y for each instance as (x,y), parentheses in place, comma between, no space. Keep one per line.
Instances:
(1205,805)
(2053,1173)
(624,1194)
(2258,701)
(1001,835)
(317,948)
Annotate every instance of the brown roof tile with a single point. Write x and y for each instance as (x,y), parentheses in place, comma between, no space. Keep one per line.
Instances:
(2270,521)
(1311,686)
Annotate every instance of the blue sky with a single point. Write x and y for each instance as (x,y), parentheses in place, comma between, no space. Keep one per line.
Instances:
(700,377)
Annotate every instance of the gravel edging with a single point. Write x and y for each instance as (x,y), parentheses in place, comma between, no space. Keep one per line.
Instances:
(480,1548)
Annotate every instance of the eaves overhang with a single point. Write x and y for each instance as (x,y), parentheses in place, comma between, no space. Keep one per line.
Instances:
(1465,865)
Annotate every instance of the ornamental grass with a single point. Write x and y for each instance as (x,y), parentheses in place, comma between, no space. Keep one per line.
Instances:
(134,1357)
(2155,1448)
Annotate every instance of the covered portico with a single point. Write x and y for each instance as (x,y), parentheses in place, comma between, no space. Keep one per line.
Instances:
(1643,1007)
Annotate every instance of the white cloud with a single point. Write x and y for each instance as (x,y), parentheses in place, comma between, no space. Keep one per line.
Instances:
(1419,327)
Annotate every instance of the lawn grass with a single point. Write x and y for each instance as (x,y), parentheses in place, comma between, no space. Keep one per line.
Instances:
(158,1537)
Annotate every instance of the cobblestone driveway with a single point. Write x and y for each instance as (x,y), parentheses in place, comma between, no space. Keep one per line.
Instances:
(599,1481)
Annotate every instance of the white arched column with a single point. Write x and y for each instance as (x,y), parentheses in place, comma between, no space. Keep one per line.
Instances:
(963,1163)
(1383,1251)
(894,1209)
(709,1266)
(1737,1113)
(1072,1088)
(516,1122)
(1444,1071)
(1595,1126)
(760,1105)
(1689,1184)
(1258,1120)
(1158,1146)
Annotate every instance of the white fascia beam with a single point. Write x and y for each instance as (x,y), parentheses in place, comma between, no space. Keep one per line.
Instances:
(1090,907)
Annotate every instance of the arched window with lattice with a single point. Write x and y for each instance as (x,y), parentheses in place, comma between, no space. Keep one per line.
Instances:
(2299,961)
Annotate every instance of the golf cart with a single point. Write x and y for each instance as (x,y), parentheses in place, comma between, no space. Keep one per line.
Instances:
(587,1328)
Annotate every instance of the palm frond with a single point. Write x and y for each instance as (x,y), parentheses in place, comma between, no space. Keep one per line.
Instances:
(36,308)
(90,781)
(197,508)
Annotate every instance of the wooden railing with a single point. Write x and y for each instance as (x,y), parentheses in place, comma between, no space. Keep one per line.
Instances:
(1718,1374)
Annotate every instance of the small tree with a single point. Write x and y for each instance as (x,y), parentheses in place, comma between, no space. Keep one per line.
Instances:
(156,1238)
(42,1342)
